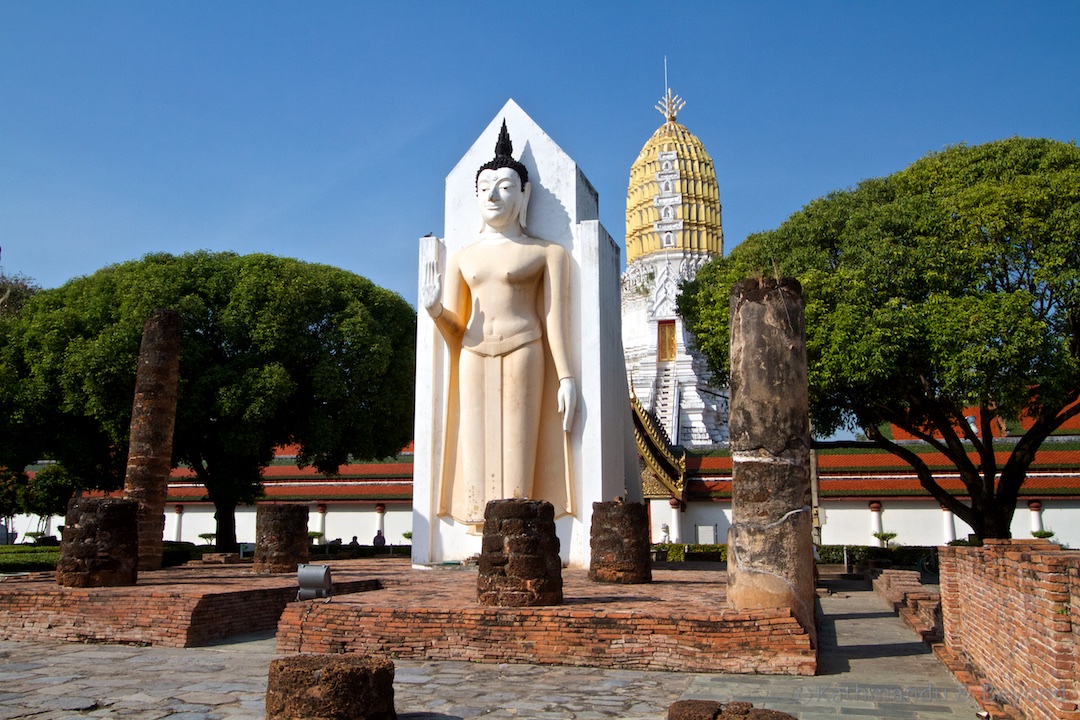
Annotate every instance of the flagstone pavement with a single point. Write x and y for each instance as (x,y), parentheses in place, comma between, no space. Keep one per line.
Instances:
(870,666)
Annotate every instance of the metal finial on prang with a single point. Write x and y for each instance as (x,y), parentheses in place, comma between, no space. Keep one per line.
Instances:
(670,105)
(504,157)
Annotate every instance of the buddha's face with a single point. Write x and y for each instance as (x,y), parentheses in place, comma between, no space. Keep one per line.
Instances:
(502,199)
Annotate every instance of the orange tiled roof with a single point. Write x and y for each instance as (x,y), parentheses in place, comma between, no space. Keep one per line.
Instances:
(870,472)
(998,428)
(848,473)
(283,481)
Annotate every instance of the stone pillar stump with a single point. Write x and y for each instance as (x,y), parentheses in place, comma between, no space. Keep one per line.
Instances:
(712,710)
(281,538)
(520,564)
(100,545)
(330,687)
(619,543)
(770,543)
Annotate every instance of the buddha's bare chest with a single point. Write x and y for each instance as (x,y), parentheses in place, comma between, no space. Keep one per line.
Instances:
(502,268)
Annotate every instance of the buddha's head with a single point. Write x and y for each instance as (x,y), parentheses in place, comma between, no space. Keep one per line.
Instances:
(503,188)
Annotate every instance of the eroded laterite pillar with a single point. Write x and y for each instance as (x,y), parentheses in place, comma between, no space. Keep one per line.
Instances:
(100,547)
(770,549)
(281,538)
(619,543)
(519,564)
(153,417)
(330,687)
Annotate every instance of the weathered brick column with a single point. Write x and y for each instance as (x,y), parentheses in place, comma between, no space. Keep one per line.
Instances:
(519,564)
(153,417)
(281,538)
(770,547)
(619,543)
(100,545)
(330,687)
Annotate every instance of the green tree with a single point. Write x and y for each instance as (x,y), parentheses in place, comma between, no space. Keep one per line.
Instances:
(274,352)
(47,493)
(11,489)
(15,441)
(15,290)
(950,285)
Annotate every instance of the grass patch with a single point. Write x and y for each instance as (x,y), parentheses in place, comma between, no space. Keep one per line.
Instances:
(682,552)
(27,558)
(33,558)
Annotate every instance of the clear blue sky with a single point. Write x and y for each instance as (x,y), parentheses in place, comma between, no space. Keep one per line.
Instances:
(324,130)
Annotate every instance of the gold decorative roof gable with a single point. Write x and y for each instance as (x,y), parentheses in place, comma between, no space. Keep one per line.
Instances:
(654,447)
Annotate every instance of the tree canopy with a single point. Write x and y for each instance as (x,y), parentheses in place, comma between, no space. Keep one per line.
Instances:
(15,290)
(947,289)
(274,352)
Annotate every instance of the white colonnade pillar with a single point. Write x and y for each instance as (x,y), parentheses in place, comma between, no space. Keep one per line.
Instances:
(948,525)
(676,520)
(1035,506)
(179,510)
(321,509)
(875,522)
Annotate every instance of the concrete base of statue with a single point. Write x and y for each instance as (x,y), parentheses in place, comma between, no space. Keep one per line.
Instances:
(563,209)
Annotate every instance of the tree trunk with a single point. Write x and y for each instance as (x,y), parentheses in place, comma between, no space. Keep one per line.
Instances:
(225,515)
(995,522)
(1001,526)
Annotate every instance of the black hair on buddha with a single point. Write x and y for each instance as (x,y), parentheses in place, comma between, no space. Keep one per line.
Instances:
(504,157)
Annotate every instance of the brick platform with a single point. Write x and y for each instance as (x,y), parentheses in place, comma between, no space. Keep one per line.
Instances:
(175,607)
(678,622)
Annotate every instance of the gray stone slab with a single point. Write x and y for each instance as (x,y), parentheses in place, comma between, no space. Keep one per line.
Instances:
(207,698)
(411,679)
(53,679)
(67,702)
(228,682)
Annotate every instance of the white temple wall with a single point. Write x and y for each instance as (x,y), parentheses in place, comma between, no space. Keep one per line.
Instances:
(343,520)
(915,522)
(847,522)
(704,520)
(1062,515)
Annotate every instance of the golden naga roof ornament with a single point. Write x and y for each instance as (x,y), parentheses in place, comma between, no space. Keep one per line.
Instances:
(670,105)
(655,450)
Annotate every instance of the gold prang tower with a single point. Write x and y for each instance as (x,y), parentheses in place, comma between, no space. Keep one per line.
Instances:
(673,227)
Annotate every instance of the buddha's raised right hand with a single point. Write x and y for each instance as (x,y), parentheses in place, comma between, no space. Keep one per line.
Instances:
(431,288)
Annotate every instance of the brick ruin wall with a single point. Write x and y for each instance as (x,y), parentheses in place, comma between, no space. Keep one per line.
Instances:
(1011,610)
(754,641)
(134,616)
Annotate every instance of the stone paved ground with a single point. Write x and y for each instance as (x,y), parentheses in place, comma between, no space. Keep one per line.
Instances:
(871,666)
